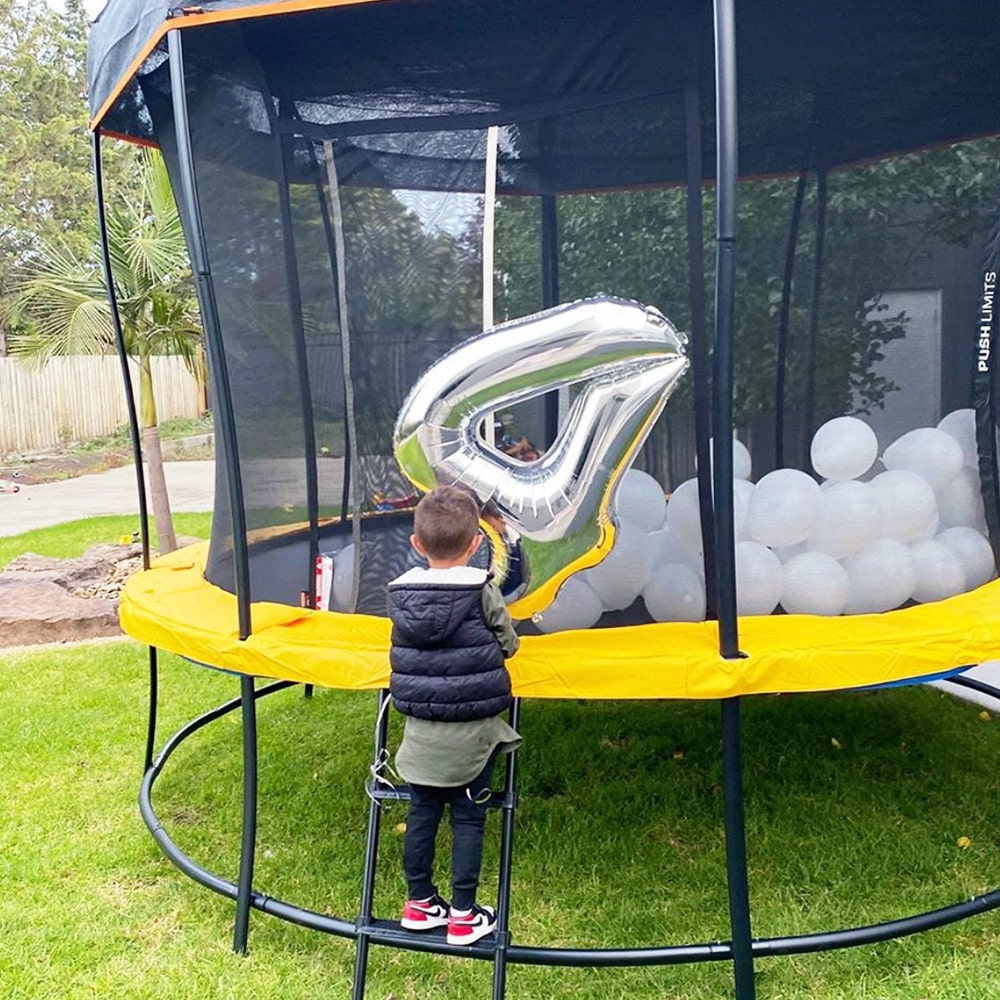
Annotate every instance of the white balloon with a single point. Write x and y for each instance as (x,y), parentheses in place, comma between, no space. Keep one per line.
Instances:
(848,520)
(640,500)
(665,549)
(961,425)
(961,501)
(684,516)
(973,552)
(675,593)
(881,577)
(784,507)
(742,462)
(814,583)
(758,579)
(342,588)
(939,571)
(786,552)
(575,606)
(932,454)
(906,504)
(843,448)
(619,577)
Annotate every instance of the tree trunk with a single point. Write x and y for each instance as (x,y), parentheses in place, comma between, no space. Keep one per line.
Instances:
(162,520)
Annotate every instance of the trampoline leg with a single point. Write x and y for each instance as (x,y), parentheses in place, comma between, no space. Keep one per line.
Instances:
(371,858)
(736,851)
(506,862)
(153,703)
(307,691)
(248,706)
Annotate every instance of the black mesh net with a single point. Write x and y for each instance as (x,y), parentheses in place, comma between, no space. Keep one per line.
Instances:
(340,159)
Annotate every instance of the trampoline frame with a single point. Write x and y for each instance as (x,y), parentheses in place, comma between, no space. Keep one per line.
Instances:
(501,951)
(742,949)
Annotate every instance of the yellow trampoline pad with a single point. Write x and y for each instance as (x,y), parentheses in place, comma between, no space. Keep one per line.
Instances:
(172,606)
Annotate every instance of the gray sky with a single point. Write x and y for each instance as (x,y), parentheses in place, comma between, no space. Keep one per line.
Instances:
(93,6)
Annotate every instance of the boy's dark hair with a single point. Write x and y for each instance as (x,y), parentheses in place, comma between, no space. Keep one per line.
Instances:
(446,520)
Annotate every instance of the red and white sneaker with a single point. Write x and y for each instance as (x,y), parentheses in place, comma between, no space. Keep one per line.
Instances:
(425,914)
(468,927)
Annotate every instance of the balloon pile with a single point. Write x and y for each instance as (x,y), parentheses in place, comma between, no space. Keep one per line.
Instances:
(861,541)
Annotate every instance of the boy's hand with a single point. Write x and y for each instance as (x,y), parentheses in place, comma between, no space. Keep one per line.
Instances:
(492,516)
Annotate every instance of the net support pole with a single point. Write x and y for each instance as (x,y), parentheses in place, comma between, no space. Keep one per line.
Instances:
(133,422)
(489,221)
(784,315)
(352,460)
(204,284)
(550,297)
(725,310)
(984,381)
(813,344)
(700,355)
(297,327)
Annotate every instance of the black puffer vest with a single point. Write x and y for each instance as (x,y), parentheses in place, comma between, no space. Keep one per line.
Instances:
(447,665)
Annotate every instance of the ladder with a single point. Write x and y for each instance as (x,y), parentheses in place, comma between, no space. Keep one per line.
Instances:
(389,932)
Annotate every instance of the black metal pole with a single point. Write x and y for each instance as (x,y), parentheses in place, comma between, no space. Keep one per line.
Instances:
(725,312)
(154,688)
(189,205)
(550,296)
(984,380)
(725,295)
(371,858)
(783,323)
(506,865)
(299,341)
(331,247)
(248,710)
(736,850)
(133,422)
(700,354)
(116,324)
(817,291)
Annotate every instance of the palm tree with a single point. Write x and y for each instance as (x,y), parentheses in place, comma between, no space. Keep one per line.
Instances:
(62,307)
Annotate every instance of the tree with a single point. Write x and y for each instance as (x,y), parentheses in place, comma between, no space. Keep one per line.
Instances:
(46,176)
(880,219)
(62,306)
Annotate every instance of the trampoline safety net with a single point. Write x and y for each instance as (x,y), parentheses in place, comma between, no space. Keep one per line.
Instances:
(340,158)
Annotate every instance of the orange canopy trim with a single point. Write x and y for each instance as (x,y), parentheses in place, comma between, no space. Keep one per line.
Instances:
(172,606)
(193,16)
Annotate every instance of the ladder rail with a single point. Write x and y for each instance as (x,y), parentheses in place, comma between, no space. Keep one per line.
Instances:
(370,929)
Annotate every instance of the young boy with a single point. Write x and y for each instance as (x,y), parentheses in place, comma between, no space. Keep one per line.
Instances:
(451,634)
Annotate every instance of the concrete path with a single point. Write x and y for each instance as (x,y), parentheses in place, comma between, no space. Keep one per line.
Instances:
(191,486)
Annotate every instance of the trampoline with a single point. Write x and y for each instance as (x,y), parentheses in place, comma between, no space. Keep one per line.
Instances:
(368,186)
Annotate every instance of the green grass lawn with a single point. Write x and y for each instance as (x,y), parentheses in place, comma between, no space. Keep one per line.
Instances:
(73,539)
(856,809)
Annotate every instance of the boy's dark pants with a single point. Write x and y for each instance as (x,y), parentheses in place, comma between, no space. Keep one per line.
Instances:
(468,821)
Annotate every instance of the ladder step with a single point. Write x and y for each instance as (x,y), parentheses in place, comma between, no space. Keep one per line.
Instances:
(401,793)
(391,933)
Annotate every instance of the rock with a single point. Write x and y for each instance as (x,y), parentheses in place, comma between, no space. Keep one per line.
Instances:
(64,600)
(34,611)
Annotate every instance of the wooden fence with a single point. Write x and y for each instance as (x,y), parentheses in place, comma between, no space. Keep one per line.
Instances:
(80,398)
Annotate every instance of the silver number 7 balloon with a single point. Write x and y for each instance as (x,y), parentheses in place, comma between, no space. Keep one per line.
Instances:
(625,359)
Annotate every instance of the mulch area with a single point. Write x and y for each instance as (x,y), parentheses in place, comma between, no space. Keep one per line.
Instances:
(29,471)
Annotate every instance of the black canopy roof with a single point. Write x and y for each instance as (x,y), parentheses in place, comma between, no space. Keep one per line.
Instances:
(819,84)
